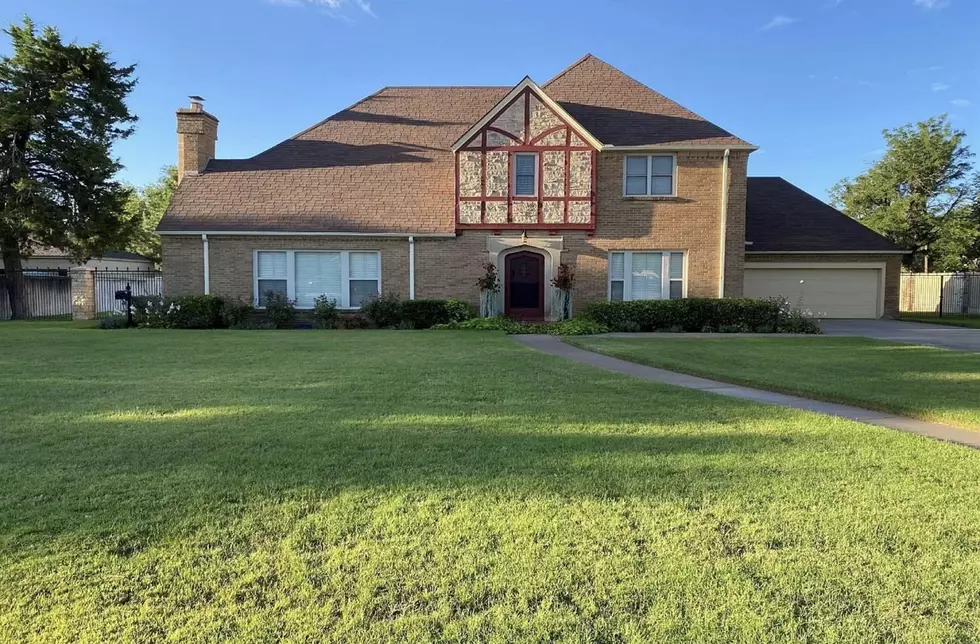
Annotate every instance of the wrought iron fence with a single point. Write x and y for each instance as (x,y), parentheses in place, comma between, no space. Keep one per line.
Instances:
(107,282)
(46,293)
(941,293)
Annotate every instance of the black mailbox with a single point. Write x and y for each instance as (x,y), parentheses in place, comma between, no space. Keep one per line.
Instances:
(122,295)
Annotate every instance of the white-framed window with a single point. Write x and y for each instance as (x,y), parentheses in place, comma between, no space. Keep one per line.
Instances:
(525,180)
(647,275)
(650,175)
(349,278)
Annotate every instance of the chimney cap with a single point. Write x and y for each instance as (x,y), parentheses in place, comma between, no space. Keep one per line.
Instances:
(196,98)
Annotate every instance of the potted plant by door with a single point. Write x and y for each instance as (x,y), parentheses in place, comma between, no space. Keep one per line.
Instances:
(563,281)
(489,287)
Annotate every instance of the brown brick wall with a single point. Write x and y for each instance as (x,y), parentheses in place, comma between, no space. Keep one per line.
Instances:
(893,271)
(450,267)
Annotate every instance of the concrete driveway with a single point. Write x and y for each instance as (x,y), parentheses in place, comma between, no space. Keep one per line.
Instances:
(945,337)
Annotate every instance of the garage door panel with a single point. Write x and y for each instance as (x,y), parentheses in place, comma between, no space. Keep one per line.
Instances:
(825,292)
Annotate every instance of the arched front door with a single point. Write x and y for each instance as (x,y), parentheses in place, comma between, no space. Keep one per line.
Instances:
(524,285)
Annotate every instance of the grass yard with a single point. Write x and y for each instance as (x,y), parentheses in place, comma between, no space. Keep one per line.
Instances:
(452,486)
(967,321)
(922,382)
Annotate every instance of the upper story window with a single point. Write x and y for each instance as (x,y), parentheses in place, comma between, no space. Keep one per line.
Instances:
(525,175)
(650,175)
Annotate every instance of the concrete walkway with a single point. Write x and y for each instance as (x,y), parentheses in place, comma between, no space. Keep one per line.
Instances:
(554,346)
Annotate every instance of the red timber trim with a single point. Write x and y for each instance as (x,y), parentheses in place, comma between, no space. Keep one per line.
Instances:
(568,170)
(551,130)
(483,179)
(527,117)
(490,128)
(527,143)
(592,193)
(519,226)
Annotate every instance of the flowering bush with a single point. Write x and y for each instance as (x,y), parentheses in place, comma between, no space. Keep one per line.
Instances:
(279,309)
(563,280)
(185,312)
(325,312)
(489,287)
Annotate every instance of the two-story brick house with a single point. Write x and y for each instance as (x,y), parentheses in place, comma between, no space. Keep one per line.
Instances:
(414,189)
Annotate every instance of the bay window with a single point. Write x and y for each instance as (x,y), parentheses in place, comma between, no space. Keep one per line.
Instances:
(649,175)
(349,278)
(653,275)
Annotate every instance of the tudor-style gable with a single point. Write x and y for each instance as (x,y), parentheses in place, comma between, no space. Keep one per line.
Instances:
(526,164)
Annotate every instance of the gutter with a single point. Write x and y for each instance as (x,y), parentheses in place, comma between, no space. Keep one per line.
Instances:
(411,267)
(207,264)
(724,224)
(667,147)
(293,233)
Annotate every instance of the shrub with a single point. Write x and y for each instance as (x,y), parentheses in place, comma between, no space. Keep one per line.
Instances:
(114,322)
(385,311)
(423,314)
(279,309)
(458,310)
(325,312)
(353,322)
(185,312)
(236,313)
(695,315)
(578,326)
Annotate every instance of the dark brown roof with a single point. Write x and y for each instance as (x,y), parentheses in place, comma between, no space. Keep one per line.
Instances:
(385,164)
(619,110)
(781,217)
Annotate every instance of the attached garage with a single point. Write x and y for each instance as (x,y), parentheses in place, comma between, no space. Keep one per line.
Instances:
(827,291)
(815,256)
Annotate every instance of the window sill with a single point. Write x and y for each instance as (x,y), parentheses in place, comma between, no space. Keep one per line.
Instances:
(650,197)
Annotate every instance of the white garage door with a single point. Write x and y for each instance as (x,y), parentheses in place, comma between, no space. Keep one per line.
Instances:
(826,292)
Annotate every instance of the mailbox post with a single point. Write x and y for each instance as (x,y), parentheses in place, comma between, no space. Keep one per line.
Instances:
(127,297)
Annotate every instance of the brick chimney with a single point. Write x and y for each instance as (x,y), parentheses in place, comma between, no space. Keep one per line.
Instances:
(197,133)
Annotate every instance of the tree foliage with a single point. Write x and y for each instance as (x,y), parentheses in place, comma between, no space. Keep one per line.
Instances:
(62,107)
(918,192)
(145,208)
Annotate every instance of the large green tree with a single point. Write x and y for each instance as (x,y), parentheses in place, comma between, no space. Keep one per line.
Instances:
(62,107)
(923,179)
(145,208)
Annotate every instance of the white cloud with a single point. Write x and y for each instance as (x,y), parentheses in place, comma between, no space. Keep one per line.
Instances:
(778,21)
(333,7)
(940,87)
(961,102)
(931,4)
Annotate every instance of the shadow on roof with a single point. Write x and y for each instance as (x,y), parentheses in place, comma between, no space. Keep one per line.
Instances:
(627,127)
(390,119)
(295,154)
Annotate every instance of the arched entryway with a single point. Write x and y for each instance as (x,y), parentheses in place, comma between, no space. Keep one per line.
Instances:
(524,285)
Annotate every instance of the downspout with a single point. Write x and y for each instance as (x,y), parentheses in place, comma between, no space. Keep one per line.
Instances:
(207,265)
(724,224)
(411,267)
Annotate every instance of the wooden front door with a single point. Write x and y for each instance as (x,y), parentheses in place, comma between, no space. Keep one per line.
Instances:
(524,286)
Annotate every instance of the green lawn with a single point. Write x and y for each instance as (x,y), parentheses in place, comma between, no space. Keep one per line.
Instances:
(451,486)
(968,321)
(922,382)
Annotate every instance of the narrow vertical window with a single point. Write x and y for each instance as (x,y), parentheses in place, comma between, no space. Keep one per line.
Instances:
(525,174)
(271,273)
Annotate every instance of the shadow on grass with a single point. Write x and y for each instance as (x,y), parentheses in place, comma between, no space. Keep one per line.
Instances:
(156,471)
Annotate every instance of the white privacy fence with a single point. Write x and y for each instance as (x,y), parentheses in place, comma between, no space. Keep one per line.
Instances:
(941,293)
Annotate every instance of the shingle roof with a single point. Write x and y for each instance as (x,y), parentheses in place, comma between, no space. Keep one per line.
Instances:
(781,217)
(385,164)
(619,110)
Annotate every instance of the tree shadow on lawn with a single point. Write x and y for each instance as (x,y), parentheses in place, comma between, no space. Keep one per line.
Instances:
(114,474)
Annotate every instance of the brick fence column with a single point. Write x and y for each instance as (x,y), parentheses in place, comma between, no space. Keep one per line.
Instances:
(82,293)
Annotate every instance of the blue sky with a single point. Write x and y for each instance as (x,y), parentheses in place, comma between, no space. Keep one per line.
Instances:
(812,82)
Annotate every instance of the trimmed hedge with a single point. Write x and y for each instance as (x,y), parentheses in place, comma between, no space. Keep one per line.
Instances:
(701,315)
(185,312)
(574,326)
(388,312)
